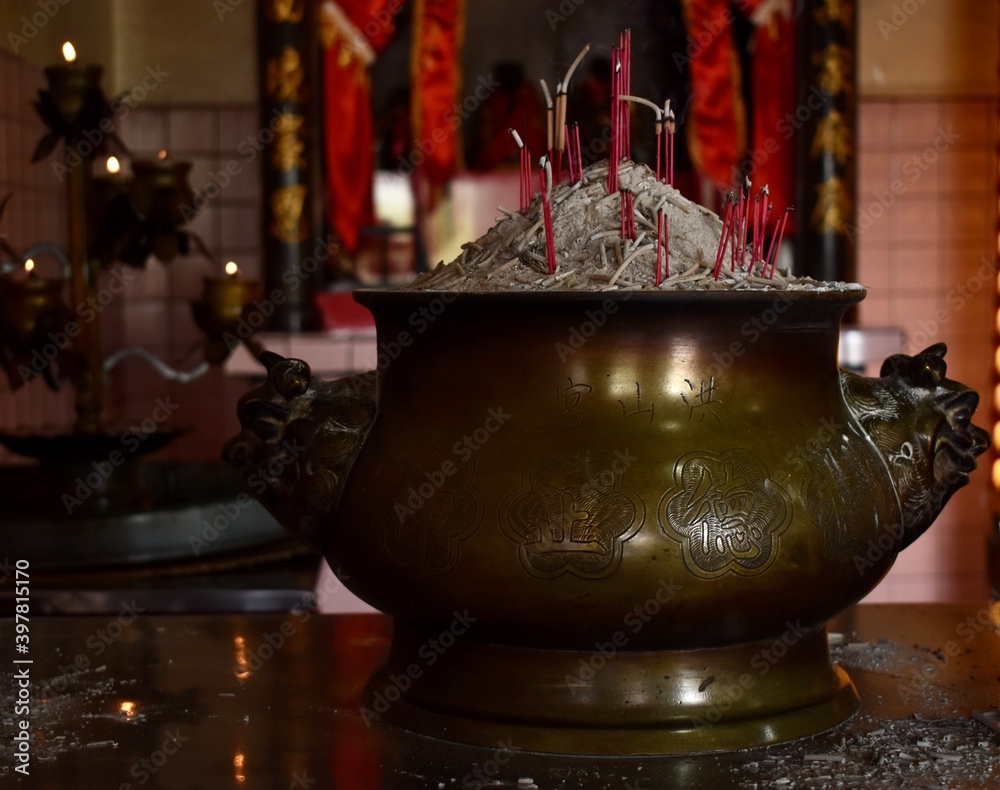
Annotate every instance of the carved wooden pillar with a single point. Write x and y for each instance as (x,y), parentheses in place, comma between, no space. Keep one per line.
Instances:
(826,152)
(286,54)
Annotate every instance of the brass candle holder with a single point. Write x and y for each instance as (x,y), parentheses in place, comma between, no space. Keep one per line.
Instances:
(160,189)
(25,301)
(106,192)
(72,86)
(113,218)
(34,325)
(163,199)
(224,302)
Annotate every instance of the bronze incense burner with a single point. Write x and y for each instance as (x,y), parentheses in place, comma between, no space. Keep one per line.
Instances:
(610,523)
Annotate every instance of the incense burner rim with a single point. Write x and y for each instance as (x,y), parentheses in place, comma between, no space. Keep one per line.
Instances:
(840,297)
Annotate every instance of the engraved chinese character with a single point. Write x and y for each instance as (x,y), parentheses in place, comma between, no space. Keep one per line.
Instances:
(638,405)
(572,397)
(702,400)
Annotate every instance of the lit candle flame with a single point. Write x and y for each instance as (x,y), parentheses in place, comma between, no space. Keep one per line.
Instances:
(69,52)
(128,708)
(162,155)
(232,268)
(29,266)
(113,164)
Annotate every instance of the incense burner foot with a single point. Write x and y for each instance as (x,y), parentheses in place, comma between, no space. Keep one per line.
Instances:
(609,700)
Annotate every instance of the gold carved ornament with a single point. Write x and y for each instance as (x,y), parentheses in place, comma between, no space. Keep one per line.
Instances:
(833,138)
(839,11)
(835,71)
(286,11)
(285,75)
(286,213)
(834,207)
(286,155)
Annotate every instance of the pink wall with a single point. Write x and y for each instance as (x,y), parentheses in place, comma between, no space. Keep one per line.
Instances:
(928,261)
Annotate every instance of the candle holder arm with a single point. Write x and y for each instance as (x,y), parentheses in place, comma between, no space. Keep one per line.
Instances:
(164,369)
(50,249)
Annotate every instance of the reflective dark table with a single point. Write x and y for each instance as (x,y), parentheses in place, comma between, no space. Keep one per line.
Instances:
(271,701)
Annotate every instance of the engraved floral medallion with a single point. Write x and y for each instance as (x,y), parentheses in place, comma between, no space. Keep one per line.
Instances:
(571,515)
(429,508)
(726,513)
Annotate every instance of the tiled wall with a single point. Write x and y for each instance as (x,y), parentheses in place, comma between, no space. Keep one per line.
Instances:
(927,182)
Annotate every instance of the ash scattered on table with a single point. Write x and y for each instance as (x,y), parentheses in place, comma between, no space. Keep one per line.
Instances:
(939,753)
(884,656)
(74,718)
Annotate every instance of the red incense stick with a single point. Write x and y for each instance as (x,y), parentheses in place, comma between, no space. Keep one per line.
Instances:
(622,208)
(525,180)
(724,236)
(671,127)
(569,153)
(545,177)
(662,242)
(763,228)
(627,203)
(737,222)
(627,88)
(659,245)
(615,113)
(744,221)
(772,253)
(579,150)
(756,232)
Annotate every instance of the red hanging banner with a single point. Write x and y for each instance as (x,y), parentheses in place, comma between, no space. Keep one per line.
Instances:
(717,123)
(436,75)
(717,120)
(772,154)
(353,33)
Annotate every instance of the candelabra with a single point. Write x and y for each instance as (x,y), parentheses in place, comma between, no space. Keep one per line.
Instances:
(115,218)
